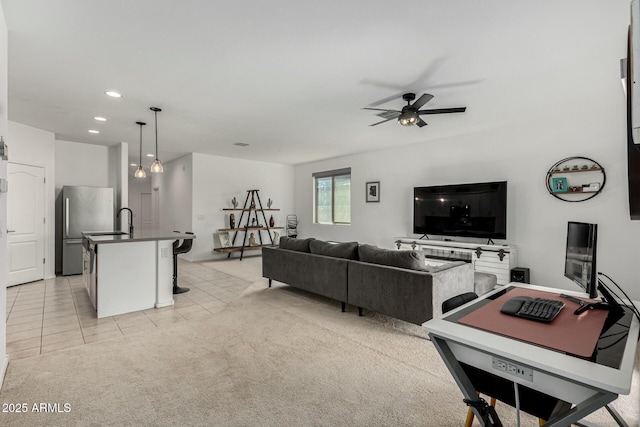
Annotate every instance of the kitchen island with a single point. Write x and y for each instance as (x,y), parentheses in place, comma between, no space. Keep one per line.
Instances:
(129,272)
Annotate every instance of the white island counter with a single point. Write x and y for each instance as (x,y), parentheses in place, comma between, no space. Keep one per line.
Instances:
(124,273)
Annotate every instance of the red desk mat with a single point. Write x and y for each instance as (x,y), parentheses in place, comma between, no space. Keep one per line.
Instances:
(577,335)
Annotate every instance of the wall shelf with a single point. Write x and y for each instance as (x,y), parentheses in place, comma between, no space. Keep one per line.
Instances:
(248,209)
(585,181)
(250,228)
(254,218)
(239,248)
(554,172)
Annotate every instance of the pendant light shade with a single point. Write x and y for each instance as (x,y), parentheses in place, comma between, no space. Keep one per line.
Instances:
(156,167)
(140,173)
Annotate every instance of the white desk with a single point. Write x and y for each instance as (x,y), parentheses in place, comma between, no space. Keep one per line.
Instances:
(582,385)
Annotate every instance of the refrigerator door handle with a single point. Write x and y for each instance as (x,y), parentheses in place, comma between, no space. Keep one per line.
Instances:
(66,218)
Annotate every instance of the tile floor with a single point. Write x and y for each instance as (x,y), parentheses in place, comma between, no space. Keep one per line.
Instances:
(55,314)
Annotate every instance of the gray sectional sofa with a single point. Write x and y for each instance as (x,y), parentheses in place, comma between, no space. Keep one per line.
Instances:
(391,282)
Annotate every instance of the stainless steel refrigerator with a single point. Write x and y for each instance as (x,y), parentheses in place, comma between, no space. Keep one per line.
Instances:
(83,209)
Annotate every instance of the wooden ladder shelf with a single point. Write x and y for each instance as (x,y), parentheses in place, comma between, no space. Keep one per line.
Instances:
(252,205)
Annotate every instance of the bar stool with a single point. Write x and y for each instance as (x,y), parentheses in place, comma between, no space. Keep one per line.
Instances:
(179,249)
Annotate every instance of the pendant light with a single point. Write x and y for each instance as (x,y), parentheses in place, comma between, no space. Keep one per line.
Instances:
(140,173)
(156,167)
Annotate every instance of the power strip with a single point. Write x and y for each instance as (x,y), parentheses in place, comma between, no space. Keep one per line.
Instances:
(513,369)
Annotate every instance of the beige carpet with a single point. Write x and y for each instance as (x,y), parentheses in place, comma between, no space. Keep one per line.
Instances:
(274,357)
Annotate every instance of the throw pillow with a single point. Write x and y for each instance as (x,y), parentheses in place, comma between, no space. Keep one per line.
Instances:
(413,260)
(347,250)
(300,245)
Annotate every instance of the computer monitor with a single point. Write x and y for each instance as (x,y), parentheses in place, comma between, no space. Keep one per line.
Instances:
(580,258)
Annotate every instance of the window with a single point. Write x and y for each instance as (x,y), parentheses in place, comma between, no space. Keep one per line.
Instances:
(332,196)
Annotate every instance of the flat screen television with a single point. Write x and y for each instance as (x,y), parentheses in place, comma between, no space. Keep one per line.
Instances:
(466,210)
(580,256)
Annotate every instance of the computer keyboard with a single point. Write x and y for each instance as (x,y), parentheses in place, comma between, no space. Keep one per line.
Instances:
(540,309)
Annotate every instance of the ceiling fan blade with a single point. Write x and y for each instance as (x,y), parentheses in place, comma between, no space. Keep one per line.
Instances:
(422,100)
(380,109)
(443,110)
(389,114)
(421,122)
(384,121)
(455,84)
(418,82)
(387,99)
(380,83)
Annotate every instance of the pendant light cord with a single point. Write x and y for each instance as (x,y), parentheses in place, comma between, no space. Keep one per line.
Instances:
(155,112)
(140,173)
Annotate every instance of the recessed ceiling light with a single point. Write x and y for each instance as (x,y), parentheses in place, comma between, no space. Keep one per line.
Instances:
(133,164)
(150,155)
(93,131)
(100,119)
(113,94)
(241,144)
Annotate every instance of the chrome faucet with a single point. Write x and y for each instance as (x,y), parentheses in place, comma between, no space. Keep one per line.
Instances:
(130,219)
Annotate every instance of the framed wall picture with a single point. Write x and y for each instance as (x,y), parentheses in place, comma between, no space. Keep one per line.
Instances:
(225,241)
(559,185)
(373,191)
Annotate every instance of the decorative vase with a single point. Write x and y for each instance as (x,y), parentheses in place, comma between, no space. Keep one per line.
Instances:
(232,221)
(252,240)
(272,222)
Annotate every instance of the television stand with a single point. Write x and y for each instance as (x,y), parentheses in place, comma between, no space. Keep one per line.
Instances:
(486,258)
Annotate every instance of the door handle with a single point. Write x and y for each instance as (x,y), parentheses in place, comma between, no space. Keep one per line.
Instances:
(11,231)
(66,218)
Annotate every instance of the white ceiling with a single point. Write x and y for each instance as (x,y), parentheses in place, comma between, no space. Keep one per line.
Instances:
(289,77)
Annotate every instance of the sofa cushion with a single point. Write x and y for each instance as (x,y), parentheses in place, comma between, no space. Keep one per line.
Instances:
(348,250)
(413,260)
(300,245)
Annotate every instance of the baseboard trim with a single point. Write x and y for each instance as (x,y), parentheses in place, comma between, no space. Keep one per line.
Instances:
(164,304)
(4,370)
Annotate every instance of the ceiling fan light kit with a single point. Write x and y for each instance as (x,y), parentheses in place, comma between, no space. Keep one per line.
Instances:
(156,167)
(410,113)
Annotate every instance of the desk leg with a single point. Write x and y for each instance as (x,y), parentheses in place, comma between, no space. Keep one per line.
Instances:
(581,410)
(463,381)
(562,416)
(614,414)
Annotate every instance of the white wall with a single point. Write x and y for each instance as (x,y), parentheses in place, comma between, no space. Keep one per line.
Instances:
(173,193)
(193,190)
(4,358)
(82,164)
(216,180)
(520,154)
(36,147)
(137,186)
(119,179)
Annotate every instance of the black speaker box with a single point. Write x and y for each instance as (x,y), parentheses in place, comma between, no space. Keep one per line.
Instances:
(520,275)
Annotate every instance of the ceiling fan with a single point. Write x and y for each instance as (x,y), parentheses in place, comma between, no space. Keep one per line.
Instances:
(410,113)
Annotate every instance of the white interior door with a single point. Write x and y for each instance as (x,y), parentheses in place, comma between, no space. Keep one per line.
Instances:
(25,222)
(146,209)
